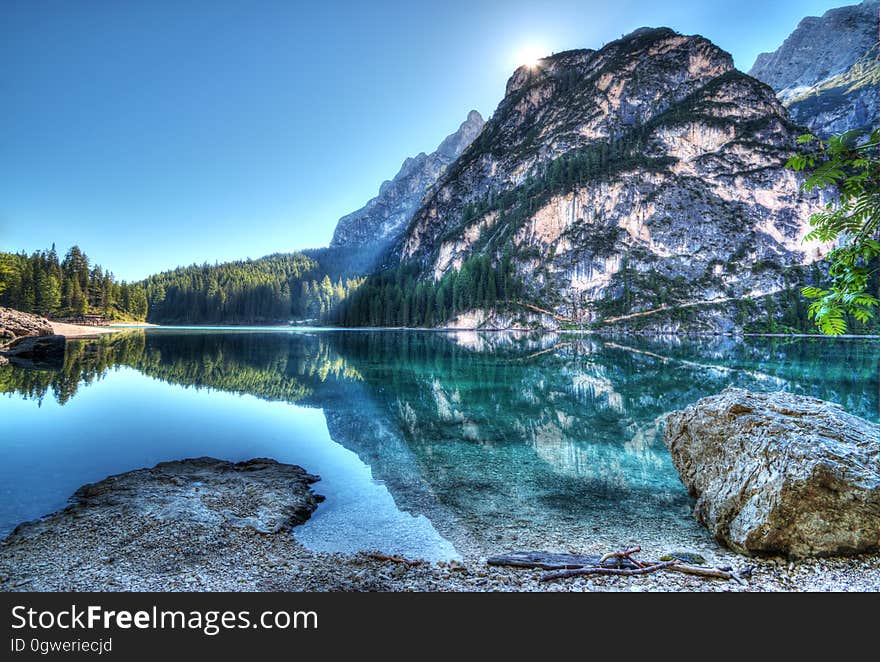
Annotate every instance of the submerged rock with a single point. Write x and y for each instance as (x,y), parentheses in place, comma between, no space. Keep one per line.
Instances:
(178,518)
(16,324)
(780,473)
(36,351)
(261,494)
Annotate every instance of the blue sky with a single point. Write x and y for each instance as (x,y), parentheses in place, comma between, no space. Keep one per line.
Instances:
(156,134)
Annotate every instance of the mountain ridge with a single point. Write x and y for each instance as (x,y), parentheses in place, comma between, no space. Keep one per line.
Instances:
(827,71)
(372,227)
(617,180)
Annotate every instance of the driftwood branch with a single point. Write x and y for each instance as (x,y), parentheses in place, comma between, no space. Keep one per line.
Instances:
(550,560)
(622,563)
(715,573)
(601,570)
(385,558)
(625,554)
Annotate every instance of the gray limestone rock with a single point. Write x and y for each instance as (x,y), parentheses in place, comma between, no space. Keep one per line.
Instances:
(778,473)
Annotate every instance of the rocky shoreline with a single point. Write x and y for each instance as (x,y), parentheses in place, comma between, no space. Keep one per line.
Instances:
(31,341)
(28,340)
(210,525)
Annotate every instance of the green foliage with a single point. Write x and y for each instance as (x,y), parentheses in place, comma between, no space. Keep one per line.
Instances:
(276,288)
(852,219)
(6,270)
(40,283)
(398,297)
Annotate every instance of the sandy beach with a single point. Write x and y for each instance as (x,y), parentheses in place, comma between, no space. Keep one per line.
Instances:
(83,331)
(79,330)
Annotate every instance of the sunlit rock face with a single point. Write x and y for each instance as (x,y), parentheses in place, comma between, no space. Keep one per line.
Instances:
(828,70)
(648,174)
(379,222)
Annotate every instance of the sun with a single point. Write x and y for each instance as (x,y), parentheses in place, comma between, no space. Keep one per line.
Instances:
(528,56)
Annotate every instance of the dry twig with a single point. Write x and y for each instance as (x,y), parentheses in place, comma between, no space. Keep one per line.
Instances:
(378,556)
(601,570)
(574,565)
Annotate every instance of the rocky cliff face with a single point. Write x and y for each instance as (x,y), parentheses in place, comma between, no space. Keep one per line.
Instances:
(643,178)
(828,70)
(382,219)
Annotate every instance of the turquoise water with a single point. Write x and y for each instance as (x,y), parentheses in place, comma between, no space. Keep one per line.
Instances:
(429,444)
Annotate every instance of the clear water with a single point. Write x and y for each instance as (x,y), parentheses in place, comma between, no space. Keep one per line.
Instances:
(429,444)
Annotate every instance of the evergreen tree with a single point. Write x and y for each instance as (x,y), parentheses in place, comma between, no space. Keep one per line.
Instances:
(38,283)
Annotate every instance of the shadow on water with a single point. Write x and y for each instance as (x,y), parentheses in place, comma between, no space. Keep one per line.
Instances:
(500,439)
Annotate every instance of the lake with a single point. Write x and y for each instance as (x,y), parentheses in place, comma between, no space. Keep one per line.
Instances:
(429,444)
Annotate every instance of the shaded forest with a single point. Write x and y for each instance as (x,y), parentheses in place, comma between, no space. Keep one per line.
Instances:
(274,289)
(397,297)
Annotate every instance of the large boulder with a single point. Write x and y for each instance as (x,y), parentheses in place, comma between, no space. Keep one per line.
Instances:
(16,324)
(778,473)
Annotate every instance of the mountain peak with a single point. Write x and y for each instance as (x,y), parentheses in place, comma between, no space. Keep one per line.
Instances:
(648,32)
(379,222)
(828,70)
(454,144)
(644,44)
(605,180)
(819,48)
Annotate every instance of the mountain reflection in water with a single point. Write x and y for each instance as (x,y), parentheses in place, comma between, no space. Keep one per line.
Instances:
(429,440)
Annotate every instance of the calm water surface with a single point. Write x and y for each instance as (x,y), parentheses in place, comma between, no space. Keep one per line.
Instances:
(432,445)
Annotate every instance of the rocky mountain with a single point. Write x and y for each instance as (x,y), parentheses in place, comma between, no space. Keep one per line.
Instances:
(638,185)
(828,70)
(379,222)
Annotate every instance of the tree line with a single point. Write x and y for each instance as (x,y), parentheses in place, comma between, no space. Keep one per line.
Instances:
(399,297)
(71,287)
(276,288)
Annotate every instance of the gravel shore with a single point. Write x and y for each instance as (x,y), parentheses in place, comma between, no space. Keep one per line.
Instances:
(209,525)
(244,560)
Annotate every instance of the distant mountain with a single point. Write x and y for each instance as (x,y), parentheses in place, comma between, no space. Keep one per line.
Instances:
(379,223)
(827,72)
(308,284)
(642,185)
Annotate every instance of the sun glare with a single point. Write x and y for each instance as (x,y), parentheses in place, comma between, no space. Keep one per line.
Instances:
(528,56)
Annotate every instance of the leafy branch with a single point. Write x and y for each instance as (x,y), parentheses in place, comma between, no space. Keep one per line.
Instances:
(851,171)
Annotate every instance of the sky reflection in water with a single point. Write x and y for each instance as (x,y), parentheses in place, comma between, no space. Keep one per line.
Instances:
(426,443)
